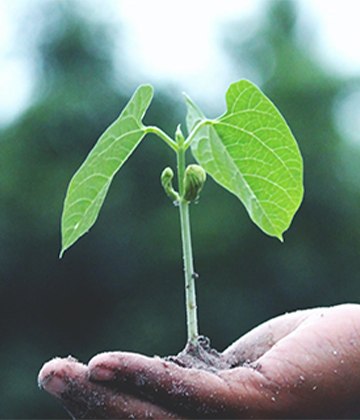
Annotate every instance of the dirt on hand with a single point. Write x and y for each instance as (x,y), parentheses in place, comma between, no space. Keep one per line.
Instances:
(202,356)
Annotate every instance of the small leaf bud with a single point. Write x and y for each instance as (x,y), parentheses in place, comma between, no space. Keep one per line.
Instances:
(179,136)
(195,177)
(166,181)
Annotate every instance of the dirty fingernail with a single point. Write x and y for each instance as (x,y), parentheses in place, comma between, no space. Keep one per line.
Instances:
(102,374)
(54,385)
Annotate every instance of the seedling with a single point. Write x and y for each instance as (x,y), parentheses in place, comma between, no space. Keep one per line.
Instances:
(250,151)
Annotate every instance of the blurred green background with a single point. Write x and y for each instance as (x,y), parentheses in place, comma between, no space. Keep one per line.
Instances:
(121,287)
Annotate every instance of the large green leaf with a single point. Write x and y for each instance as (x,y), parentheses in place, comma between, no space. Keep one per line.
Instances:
(251,151)
(88,187)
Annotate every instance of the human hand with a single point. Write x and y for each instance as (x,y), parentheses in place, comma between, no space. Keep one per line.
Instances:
(305,364)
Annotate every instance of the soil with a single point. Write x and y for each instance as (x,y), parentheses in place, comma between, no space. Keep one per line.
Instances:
(202,356)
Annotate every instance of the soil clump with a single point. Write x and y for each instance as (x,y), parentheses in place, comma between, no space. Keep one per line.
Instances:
(202,356)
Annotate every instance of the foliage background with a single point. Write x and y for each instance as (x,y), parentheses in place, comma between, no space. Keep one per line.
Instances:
(121,286)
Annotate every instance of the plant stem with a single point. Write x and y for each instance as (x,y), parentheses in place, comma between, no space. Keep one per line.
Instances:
(168,140)
(190,295)
(195,130)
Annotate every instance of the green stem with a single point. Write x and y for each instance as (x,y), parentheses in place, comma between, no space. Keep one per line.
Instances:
(190,295)
(167,139)
(193,133)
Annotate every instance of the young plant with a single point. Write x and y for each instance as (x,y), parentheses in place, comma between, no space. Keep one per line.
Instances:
(249,151)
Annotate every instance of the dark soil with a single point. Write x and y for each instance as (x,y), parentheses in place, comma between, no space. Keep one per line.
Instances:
(201,356)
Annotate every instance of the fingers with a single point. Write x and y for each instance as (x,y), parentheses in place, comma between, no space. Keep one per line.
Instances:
(193,392)
(67,380)
(304,364)
(307,366)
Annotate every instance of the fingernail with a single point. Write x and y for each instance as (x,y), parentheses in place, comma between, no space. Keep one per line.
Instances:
(54,385)
(102,374)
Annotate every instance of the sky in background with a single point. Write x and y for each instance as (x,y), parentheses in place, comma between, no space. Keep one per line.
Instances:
(178,42)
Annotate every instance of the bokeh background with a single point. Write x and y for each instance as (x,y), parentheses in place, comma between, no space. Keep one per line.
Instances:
(121,286)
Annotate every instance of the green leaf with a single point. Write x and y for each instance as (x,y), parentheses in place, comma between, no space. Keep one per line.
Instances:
(251,152)
(89,186)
